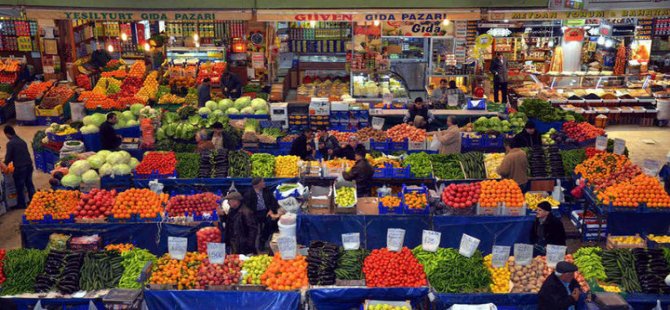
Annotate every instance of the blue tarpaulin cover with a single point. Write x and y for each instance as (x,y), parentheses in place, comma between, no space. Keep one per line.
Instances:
(630,223)
(353,297)
(518,301)
(50,303)
(233,300)
(212,184)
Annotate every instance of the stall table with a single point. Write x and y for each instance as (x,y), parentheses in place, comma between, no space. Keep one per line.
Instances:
(332,298)
(184,300)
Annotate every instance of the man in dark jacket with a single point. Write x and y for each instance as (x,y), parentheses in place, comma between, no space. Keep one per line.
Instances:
(100,57)
(109,140)
(261,200)
(328,145)
(560,291)
(418,114)
(362,173)
(204,92)
(17,153)
(231,86)
(500,77)
(241,228)
(547,229)
(303,146)
(529,137)
(349,151)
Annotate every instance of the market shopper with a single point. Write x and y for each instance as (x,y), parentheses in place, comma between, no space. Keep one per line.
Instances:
(17,154)
(109,140)
(241,227)
(100,57)
(528,137)
(439,97)
(260,199)
(418,114)
(450,139)
(210,141)
(328,145)
(204,92)
(547,229)
(303,145)
(231,86)
(362,173)
(560,291)
(349,151)
(515,164)
(500,76)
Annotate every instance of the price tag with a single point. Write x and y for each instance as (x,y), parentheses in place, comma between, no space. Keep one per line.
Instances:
(177,247)
(288,247)
(500,255)
(468,245)
(651,167)
(351,241)
(378,122)
(523,254)
(431,240)
(376,112)
(555,254)
(216,252)
(601,143)
(619,146)
(387,98)
(395,238)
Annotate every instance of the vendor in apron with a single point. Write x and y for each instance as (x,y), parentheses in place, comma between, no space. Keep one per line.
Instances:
(213,140)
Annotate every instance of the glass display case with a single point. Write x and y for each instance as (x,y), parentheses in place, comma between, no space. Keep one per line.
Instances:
(190,54)
(365,85)
(590,88)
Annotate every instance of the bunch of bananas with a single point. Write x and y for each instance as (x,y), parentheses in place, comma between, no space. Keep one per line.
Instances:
(533,199)
(380,162)
(659,239)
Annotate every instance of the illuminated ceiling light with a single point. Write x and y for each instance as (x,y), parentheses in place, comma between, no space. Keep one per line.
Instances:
(564,28)
(445,22)
(197,44)
(506,21)
(110,48)
(376,22)
(124,36)
(601,40)
(312,24)
(196,37)
(609,43)
(551,43)
(147,47)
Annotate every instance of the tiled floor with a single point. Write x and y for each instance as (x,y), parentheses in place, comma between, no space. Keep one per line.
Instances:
(634,136)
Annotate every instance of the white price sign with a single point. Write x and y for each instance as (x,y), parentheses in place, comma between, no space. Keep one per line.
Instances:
(395,238)
(177,247)
(378,122)
(523,254)
(651,167)
(468,245)
(555,254)
(619,146)
(288,247)
(601,143)
(500,255)
(376,112)
(431,240)
(351,241)
(216,252)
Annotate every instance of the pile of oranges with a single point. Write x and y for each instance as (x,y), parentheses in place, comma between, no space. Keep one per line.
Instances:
(59,204)
(137,69)
(640,189)
(283,275)
(416,200)
(142,202)
(390,201)
(120,247)
(494,191)
(149,88)
(182,273)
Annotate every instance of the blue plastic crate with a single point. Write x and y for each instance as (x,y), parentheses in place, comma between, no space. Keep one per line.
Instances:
(381,173)
(544,127)
(92,142)
(62,138)
(48,120)
(491,141)
(421,190)
(47,219)
(398,146)
(403,173)
(379,146)
(50,159)
(470,142)
(154,176)
(39,160)
(27,123)
(130,132)
(386,210)
(118,181)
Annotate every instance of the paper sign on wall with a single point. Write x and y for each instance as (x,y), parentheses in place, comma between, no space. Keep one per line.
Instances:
(177,247)
(430,240)
(555,254)
(351,241)
(395,237)
(601,143)
(216,252)
(468,245)
(288,247)
(500,255)
(523,254)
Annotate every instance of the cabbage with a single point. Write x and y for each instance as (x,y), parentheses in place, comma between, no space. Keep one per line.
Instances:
(121,169)
(71,180)
(225,104)
(204,111)
(96,161)
(133,162)
(106,169)
(115,158)
(87,120)
(136,108)
(126,157)
(128,115)
(89,129)
(211,105)
(90,177)
(104,154)
(261,112)
(120,124)
(79,167)
(259,104)
(232,111)
(132,123)
(242,102)
(247,110)
(217,113)
(98,119)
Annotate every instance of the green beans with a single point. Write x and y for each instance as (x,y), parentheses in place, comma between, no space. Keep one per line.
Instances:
(572,158)
(350,264)
(188,165)
(133,263)
(450,272)
(21,268)
(239,164)
(447,167)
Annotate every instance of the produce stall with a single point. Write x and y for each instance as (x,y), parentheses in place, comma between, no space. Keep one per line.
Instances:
(222,299)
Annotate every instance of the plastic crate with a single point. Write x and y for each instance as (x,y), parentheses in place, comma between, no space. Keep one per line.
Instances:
(130,132)
(493,142)
(48,120)
(119,181)
(47,219)
(92,142)
(488,210)
(39,160)
(398,146)
(404,173)
(421,190)
(387,210)
(50,159)
(612,208)
(472,142)
(381,173)
(514,211)
(379,146)
(57,111)
(62,138)
(544,127)
(154,176)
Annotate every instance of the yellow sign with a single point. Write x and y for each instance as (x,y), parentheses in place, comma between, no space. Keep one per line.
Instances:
(560,15)
(24,44)
(117,15)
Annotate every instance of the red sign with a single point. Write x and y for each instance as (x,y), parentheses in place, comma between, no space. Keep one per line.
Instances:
(324,17)
(573,34)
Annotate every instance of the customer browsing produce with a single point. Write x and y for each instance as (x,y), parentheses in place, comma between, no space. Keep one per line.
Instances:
(450,139)
(260,199)
(303,146)
(109,140)
(241,228)
(515,164)
(362,173)
(17,154)
(349,150)
(547,229)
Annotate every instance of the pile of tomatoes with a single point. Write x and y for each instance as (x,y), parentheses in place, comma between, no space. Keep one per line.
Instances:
(192,204)
(135,201)
(97,203)
(461,196)
(384,268)
(182,273)
(228,273)
(399,133)
(285,275)
(59,204)
(160,162)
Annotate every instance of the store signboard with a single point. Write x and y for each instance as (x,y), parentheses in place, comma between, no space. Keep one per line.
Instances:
(561,15)
(418,29)
(366,15)
(131,15)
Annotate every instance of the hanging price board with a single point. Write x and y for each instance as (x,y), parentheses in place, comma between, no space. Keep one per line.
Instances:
(216,252)
(468,245)
(430,240)
(523,254)
(395,238)
(500,255)
(351,241)
(177,247)
(555,254)
(288,247)
(601,143)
